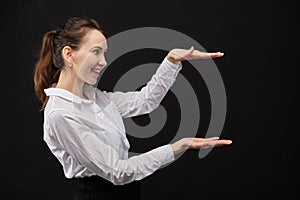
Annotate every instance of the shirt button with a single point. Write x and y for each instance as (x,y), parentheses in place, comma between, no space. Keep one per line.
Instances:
(101,115)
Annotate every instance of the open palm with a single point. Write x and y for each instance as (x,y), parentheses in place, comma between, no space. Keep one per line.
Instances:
(176,55)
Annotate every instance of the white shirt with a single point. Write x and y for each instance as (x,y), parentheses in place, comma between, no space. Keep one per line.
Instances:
(88,137)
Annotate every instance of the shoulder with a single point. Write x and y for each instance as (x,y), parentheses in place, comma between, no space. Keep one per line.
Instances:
(56,113)
(58,118)
(57,104)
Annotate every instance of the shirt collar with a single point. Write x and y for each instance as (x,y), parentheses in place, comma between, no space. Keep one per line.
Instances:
(88,91)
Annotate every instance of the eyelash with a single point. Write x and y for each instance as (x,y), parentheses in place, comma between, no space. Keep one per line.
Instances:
(96,52)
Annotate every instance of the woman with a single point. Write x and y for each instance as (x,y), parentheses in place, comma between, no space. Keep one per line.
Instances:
(83,125)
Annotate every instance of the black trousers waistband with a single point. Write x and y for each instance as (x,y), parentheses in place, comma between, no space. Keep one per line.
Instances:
(97,186)
(96,181)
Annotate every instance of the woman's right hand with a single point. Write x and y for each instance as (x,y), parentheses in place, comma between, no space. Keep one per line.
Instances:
(177,55)
(198,143)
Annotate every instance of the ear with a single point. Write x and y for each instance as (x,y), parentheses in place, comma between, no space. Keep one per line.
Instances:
(67,55)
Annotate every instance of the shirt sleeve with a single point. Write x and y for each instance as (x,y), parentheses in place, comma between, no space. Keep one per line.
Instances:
(91,152)
(136,103)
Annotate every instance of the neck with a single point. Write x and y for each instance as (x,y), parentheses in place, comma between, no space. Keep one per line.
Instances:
(70,82)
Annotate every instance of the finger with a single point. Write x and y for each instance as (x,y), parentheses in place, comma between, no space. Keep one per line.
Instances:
(223,142)
(212,138)
(190,52)
(192,49)
(215,55)
(216,143)
(205,141)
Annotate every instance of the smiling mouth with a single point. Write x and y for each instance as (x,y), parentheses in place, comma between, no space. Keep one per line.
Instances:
(96,70)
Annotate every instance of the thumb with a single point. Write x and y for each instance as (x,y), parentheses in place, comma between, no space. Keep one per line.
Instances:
(190,51)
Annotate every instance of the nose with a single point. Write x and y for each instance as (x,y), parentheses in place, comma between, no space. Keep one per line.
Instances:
(102,62)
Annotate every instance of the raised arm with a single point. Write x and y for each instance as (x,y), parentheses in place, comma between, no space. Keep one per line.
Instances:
(136,103)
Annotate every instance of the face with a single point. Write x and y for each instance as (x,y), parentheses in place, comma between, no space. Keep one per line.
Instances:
(89,60)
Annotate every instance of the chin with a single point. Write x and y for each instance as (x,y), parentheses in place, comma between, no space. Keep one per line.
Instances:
(92,82)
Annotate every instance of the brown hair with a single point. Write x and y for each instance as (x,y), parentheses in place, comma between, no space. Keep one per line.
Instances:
(50,60)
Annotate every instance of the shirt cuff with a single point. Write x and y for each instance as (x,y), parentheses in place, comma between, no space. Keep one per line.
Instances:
(168,70)
(172,65)
(166,154)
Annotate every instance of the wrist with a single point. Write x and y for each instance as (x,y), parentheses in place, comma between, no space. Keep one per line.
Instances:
(179,146)
(172,59)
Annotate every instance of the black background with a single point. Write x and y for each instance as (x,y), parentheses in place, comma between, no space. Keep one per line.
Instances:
(259,73)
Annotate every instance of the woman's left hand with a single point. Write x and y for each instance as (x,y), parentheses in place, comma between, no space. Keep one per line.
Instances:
(177,55)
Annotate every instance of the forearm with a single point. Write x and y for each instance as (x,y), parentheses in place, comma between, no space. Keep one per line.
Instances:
(146,100)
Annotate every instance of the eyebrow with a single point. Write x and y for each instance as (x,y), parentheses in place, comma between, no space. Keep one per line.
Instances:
(98,47)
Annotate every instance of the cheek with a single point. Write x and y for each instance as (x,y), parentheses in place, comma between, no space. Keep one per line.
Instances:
(84,70)
(86,65)
(89,61)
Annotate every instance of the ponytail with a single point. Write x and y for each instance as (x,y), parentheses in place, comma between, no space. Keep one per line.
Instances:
(45,73)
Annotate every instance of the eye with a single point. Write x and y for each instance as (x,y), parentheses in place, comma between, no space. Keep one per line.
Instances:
(96,51)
